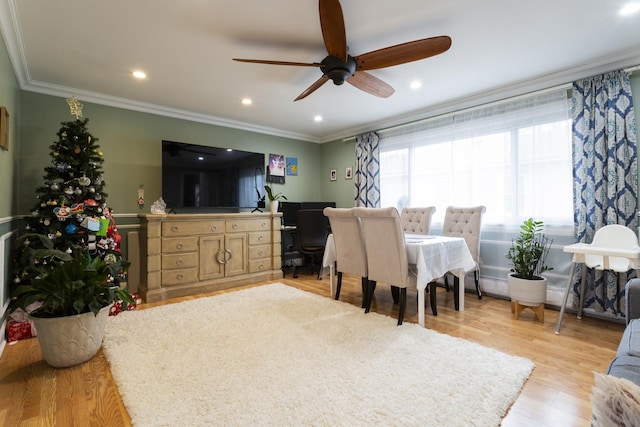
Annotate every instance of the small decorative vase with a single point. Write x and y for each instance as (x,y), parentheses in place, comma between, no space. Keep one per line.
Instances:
(70,340)
(273,206)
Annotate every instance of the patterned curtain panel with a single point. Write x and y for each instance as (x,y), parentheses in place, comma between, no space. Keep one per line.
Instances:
(605,176)
(367,177)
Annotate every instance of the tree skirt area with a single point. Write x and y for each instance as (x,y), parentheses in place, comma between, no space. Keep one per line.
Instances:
(276,355)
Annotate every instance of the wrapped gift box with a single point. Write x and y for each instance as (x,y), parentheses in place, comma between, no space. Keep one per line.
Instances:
(20,330)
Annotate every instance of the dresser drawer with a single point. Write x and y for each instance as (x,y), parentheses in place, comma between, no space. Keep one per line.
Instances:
(260,238)
(185,260)
(260,251)
(259,265)
(179,277)
(238,225)
(180,244)
(190,228)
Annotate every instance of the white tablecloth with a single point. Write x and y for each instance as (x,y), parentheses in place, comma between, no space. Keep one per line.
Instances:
(433,256)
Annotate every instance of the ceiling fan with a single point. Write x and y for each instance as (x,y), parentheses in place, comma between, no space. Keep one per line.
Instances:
(339,66)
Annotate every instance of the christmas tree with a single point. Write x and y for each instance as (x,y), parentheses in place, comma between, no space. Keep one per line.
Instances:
(71,210)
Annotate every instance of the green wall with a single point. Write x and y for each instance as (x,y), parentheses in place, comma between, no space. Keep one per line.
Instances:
(338,155)
(9,98)
(131,143)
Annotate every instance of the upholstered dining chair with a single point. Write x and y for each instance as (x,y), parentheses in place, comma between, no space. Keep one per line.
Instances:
(351,257)
(386,254)
(417,220)
(465,222)
(312,231)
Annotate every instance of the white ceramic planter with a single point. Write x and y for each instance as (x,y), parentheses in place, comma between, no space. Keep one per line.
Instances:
(527,292)
(70,340)
(273,206)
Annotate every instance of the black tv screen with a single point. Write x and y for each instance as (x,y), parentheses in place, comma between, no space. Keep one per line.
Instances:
(197,177)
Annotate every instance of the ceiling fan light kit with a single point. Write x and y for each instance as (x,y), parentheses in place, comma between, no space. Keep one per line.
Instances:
(339,66)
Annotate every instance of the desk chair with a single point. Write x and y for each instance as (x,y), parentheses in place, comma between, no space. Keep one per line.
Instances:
(311,236)
(466,223)
(350,251)
(386,253)
(417,220)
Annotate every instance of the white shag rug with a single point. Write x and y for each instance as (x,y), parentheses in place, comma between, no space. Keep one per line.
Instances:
(276,355)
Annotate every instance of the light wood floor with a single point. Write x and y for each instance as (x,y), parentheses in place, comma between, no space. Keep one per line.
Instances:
(557,393)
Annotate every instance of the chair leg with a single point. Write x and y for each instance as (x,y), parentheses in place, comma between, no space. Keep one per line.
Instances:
(403,304)
(456,292)
(432,297)
(364,290)
(476,277)
(371,287)
(446,282)
(395,292)
(339,284)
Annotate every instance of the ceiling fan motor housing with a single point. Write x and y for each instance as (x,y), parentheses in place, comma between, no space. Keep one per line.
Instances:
(337,70)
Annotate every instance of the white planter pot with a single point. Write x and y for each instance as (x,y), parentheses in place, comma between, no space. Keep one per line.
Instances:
(527,292)
(70,340)
(273,206)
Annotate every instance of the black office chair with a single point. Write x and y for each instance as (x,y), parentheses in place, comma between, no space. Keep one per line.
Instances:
(311,237)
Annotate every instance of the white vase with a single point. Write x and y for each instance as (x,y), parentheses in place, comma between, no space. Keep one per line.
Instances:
(273,206)
(527,292)
(70,340)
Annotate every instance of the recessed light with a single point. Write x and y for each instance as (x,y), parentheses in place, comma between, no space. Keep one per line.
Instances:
(247,101)
(139,74)
(200,158)
(629,9)
(318,118)
(416,84)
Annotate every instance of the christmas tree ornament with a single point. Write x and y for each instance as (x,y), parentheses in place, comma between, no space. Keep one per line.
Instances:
(58,234)
(92,190)
(56,154)
(26,242)
(84,181)
(64,135)
(71,229)
(68,190)
(55,187)
(16,280)
(77,150)
(51,236)
(77,191)
(35,214)
(69,251)
(54,203)
(46,222)
(100,153)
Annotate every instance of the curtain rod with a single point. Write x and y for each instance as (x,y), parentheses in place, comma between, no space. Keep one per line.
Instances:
(475,107)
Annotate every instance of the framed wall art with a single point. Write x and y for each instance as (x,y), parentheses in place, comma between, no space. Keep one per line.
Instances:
(333,175)
(276,169)
(348,172)
(292,166)
(4,128)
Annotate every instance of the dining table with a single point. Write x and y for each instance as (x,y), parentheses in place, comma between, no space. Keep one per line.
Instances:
(433,257)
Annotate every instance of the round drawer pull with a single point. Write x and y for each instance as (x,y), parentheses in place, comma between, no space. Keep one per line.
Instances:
(235,226)
(214,228)
(180,276)
(261,267)
(179,261)
(264,224)
(174,228)
(261,253)
(179,245)
(260,238)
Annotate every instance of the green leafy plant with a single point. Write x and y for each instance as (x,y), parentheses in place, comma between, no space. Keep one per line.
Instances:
(528,253)
(66,285)
(271,196)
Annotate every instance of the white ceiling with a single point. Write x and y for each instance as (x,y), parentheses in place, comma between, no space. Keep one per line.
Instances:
(500,48)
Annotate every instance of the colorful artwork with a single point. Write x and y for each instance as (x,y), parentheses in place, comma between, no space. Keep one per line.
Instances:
(275,172)
(292,166)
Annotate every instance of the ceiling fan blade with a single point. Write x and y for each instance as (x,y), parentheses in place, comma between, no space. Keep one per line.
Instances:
(333,31)
(370,84)
(298,64)
(322,80)
(403,53)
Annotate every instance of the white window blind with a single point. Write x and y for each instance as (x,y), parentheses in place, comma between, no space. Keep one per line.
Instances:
(513,157)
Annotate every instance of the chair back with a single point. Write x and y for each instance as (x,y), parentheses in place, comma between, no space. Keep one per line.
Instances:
(384,245)
(417,220)
(465,222)
(312,230)
(613,236)
(347,237)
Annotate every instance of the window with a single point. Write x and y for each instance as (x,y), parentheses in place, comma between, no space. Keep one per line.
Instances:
(514,158)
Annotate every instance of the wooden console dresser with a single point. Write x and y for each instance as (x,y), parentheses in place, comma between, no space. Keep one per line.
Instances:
(187,254)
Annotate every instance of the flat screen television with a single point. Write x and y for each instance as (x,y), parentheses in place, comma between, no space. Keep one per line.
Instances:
(201,178)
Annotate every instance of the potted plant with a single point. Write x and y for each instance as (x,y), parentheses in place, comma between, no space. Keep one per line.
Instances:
(528,254)
(273,198)
(68,300)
